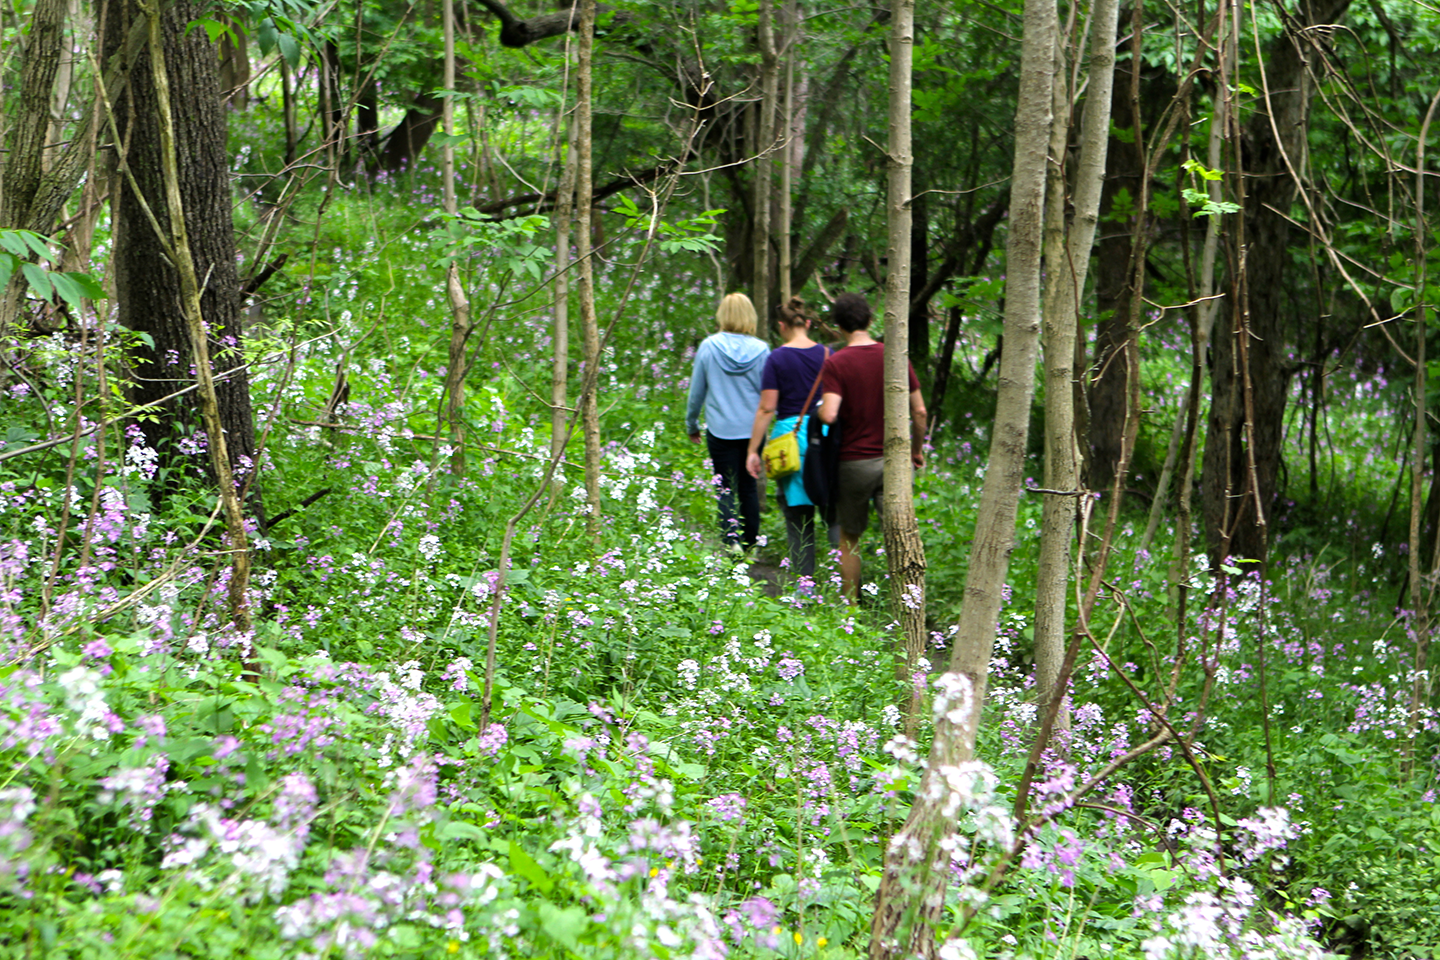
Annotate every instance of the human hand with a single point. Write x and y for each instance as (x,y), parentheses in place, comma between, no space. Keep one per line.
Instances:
(694,438)
(754,466)
(917,459)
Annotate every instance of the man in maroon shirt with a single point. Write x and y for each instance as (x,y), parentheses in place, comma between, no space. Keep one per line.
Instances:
(854,395)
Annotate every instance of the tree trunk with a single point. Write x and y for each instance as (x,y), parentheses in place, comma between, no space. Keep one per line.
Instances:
(904,553)
(25,156)
(560,369)
(1062,477)
(585,283)
(234,65)
(287,109)
(1421,593)
(1116,351)
(911,897)
(1243,452)
(762,166)
(25,143)
(919,308)
(455,369)
(408,139)
(1202,322)
(70,59)
(785,158)
(148,288)
(1068,261)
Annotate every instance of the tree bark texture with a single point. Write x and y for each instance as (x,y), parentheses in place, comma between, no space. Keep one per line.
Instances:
(560,366)
(763,165)
(585,282)
(1116,351)
(911,897)
(1068,261)
(1273,154)
(455,368)
(148,290)
(178,250)
(904,552)
(1062,475)
(24,161)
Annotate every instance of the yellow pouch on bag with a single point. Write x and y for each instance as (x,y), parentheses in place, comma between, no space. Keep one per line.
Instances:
(782,455)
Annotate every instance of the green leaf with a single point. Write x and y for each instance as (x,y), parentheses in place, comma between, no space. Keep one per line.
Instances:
(1199,169)
(214,29)
(39,281)
(89,286)
(70,291)
(461,830)
(564,924)
(266,35)
(524,865)
(7,269)
(38,245)
(461,714)
(289,49)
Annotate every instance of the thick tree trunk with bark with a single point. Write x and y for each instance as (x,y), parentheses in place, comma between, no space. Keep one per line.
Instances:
(1243,450)
(25,149)
(147,286)
(415,129)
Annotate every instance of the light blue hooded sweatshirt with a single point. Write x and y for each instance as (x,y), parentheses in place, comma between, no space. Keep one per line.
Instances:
(726,382)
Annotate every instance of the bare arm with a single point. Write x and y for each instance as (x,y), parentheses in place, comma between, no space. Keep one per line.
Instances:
(764,415)
(829,407)
(918,424)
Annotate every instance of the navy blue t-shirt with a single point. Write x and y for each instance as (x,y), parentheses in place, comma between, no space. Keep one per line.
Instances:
(792,371)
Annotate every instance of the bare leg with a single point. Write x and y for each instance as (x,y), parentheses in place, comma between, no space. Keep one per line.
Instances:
(850,566)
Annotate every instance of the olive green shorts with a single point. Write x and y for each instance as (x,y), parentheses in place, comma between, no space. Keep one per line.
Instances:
(861,482)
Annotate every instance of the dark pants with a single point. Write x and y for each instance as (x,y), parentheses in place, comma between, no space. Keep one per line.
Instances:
(735,483)
(800,531)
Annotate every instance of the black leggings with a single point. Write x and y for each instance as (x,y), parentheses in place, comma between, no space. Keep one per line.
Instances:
(728,457)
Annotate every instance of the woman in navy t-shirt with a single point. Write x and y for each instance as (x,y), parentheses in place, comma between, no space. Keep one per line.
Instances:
(788,378)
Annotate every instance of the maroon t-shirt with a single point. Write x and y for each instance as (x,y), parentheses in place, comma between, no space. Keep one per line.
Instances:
(857,374)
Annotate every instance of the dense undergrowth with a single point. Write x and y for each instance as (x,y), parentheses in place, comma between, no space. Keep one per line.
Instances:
(675,763)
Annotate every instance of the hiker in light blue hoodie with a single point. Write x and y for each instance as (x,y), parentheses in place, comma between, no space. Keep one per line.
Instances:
(726,382)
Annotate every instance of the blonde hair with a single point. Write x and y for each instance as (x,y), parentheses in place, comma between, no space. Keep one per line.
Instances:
(736,314)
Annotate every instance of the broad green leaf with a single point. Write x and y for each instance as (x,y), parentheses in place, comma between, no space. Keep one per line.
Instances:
(12,240)
(461,830)
(70,291)
(564,924)
(523,864)
(214,29)
(289,49)
(38,245)
(39,281)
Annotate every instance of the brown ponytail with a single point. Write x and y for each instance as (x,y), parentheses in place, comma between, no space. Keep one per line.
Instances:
(793,313)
